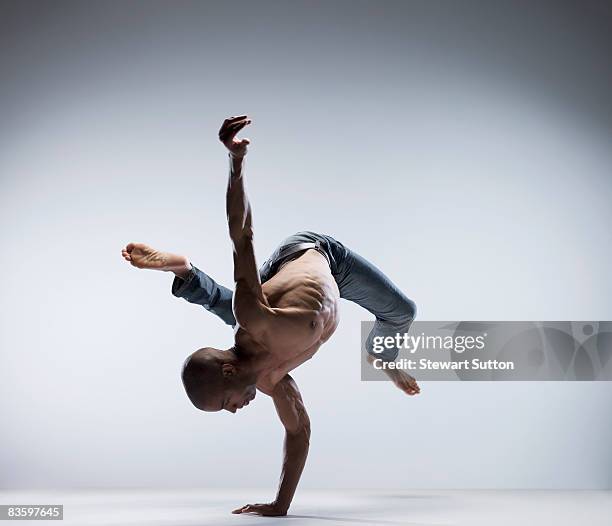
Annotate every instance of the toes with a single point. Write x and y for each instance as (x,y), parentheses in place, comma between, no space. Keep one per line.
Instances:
(409,390)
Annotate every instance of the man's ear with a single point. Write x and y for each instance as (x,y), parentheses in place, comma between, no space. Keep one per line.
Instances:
(227,369)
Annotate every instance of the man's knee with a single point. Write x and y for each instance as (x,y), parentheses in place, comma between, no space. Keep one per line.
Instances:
(405,312)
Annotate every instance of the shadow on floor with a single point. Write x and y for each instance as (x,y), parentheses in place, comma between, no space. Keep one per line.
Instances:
(405,496)
(356,521)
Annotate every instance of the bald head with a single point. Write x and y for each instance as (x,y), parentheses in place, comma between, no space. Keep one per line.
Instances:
(203,378)
(216,380)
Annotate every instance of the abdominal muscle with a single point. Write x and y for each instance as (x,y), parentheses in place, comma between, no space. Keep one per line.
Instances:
(304,298)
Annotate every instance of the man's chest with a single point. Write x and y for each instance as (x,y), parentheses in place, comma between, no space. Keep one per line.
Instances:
(277,371)
(296,344)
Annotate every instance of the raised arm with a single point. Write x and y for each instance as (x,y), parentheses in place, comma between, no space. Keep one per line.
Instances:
(292,413)
(249,302)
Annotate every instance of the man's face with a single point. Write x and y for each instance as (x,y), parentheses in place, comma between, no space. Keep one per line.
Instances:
(234,399)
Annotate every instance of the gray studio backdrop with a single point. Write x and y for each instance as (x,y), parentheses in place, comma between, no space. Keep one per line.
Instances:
(464,147)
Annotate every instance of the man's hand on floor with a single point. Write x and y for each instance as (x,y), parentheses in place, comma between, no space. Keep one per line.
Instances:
(267,510)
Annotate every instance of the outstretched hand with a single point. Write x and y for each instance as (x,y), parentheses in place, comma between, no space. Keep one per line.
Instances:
(267,510)
(227,135)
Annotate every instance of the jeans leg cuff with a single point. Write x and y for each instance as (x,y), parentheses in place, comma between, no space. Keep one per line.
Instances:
(180,285)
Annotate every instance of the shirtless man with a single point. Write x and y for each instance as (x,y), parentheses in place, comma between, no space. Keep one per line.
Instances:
(281,314)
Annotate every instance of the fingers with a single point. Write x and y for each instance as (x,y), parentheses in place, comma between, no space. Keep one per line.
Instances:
(250,508)
(234,119)
(236,125)
(244,509)
(239,122)
(232,126)
(229,132)
(233,129)
(228,123)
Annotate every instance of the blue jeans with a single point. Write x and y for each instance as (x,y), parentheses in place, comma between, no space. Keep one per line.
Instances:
(358,281)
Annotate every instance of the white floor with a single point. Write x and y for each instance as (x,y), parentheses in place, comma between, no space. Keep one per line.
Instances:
(329,507)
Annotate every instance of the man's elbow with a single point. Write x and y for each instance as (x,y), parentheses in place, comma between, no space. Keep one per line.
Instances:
(306,433)
(300,435)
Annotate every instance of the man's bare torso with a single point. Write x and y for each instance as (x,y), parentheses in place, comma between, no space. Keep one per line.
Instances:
(304,298)
(279,325)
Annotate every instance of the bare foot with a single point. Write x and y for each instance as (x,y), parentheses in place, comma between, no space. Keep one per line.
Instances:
(404,381)
(144,256)
(401,379)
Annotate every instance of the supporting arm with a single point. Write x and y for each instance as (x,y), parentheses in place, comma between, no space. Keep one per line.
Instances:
(293,415)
